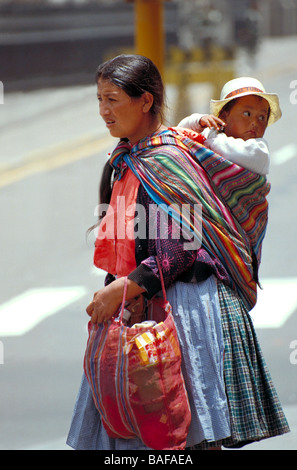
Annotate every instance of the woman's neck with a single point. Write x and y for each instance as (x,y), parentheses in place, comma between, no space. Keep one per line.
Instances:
(150,130)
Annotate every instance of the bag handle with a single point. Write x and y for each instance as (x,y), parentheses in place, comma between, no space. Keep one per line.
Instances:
(124,299)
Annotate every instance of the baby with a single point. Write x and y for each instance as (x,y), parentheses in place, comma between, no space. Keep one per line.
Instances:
(237,123)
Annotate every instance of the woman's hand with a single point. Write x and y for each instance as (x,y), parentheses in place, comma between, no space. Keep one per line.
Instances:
(105,304)
(107,300)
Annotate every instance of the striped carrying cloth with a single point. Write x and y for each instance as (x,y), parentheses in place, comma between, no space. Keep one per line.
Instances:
(176,170)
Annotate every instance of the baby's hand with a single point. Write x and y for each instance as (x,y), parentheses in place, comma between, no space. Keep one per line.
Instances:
(209,120)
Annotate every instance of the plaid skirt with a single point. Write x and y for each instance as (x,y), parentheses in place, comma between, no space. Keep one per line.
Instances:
(254,408)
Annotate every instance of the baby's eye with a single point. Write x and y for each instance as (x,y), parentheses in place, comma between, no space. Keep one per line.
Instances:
(246,113)
(262,118)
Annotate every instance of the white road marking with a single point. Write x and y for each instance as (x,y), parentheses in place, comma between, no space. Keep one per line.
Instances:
(276,302)
(24,312)
(284,154)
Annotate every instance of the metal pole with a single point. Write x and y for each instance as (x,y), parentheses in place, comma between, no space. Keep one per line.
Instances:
(149,31)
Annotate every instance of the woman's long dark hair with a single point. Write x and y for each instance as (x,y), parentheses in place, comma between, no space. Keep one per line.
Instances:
(135,74)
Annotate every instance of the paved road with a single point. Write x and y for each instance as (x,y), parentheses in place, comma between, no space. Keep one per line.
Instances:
(52,149)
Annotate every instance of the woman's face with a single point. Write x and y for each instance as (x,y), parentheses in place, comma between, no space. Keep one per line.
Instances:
(248,118)
(124,116)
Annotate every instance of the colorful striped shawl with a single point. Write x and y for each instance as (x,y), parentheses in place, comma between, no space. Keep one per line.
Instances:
(176,170)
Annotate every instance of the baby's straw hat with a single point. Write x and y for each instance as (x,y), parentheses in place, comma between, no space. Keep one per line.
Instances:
(243,86)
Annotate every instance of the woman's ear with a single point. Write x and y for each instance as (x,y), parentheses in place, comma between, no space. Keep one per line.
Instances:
(148,100)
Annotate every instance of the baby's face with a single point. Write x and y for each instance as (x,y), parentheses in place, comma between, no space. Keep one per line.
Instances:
(248,118)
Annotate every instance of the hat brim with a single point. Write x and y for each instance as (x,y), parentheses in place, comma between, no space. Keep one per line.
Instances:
(275,112)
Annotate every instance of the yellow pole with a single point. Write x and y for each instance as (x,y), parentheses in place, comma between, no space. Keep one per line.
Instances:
(149,31)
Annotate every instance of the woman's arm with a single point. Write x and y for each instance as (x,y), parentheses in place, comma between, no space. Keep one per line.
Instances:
(107,300)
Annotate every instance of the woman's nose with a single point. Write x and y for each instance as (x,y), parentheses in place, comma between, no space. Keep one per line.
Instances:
(103,109)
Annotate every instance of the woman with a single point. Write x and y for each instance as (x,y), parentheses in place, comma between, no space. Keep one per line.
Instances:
(210,291)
